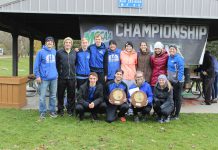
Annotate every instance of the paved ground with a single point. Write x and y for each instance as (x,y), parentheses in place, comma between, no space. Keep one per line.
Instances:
(188,106)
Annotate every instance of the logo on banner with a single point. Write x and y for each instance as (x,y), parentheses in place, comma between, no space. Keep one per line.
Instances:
(106,34)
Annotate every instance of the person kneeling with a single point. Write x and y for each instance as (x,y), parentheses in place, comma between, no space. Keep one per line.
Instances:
(111,112)
(90,98)
(142,85)
(163,99)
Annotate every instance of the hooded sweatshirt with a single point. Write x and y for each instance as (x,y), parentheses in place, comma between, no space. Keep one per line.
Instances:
(45,64)
(111,62)
(97,57)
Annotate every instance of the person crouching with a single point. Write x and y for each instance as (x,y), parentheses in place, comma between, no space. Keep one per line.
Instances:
(90,98)
(163,99)
(146,88)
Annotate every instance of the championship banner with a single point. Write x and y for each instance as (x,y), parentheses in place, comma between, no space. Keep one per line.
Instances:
(190,38)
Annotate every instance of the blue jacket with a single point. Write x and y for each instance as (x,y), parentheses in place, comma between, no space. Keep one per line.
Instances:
(97,57)
(111,85)
(45,64)
(111,63)
(82,63)
(175,68)
(146,88)
(215,63)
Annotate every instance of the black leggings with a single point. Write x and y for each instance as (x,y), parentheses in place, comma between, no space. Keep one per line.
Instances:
(177,98)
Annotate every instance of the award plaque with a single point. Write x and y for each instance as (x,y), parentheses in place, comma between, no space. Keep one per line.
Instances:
(117,96)
(139,99)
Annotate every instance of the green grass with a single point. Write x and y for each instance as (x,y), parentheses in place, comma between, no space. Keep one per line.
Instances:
(21,129)
(6,66)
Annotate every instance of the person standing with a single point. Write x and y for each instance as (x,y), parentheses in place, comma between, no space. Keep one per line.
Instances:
(97,52)
(175,70)
(214,93)
(46,76)
(207,74)
(144,63)
(111,60)
(158,62)
(128,58)
(66,59)
(82,63)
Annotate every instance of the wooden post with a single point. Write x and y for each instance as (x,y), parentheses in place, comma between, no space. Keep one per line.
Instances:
(14,54)
(31,55)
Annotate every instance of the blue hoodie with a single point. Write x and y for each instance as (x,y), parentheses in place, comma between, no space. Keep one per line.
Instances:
(82,63)
(175,68)
(45,64)
(97,57)
(113,63)
(146,88)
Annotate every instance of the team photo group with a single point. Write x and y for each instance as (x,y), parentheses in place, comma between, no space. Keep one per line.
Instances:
(107,80)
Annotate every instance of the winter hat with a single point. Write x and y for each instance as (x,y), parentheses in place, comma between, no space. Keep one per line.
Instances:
(162,76)
(49,38)
(129,43)
(158,45)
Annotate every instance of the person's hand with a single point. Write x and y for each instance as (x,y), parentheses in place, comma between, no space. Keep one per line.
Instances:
(204,73)
(91,105)
(111,101)
(105,78)
(38,80)
(76,49)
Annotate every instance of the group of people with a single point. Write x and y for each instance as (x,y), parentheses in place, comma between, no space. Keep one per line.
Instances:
(89,74)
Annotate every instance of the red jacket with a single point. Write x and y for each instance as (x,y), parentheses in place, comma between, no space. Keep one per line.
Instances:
(159,66)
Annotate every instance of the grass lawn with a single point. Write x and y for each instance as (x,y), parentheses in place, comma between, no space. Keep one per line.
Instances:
(6,66)
(21,129)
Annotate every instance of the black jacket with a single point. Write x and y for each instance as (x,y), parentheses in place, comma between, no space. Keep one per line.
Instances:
(208,65)
(83,94)
(163,97)
(66,64)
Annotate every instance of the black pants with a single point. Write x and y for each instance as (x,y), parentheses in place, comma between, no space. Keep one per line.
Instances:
(177,97)
(111,111)
(68,84)
(207,89)
(144,110)
(81,109)
(162,112)
(80,82)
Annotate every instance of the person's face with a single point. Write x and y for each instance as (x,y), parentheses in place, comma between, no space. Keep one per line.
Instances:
(93,80)
(157,51)
(49,43)
(139,79)
(98,41)
(113,47)
(118,76)
(128,48)
(143,47)
(68,44)
(162,82)
(84,44)
(172,51)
